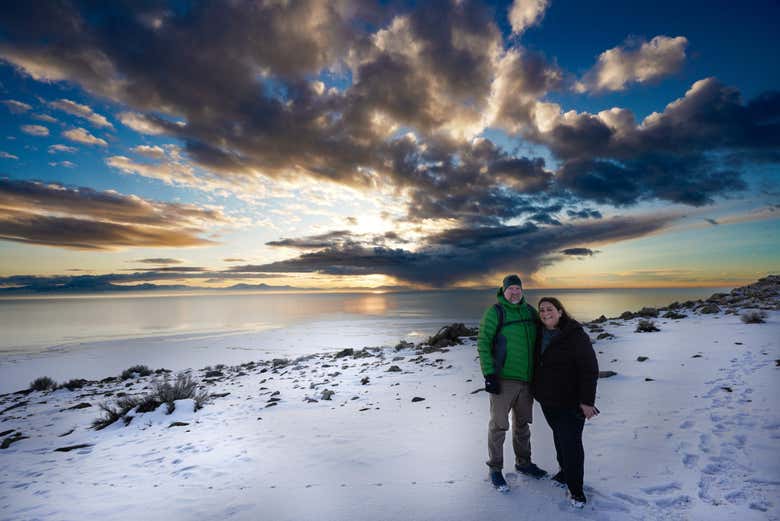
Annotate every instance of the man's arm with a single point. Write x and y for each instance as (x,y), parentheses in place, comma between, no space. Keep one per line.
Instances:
(487,330)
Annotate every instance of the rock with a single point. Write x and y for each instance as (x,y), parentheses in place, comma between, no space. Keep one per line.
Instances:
(607,374)
(727,389)
(450,335)
(777,362)
(178,424)
(649,379)
(12,439)
(310,400)
(82,405)
(278,362)
(73,447)
(605,335)
(626,315)
(641,358)
(327,394)
(219,395)
(709,309)
(647,313)
(417,399)
(365,380)
(477,390)
(213,374)
(696,356)
(600,320)
(345,352)
(393,369)
(674,315)
(403,344)
(6,433)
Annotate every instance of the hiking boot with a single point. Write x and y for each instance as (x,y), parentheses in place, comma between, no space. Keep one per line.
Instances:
(578,500)
(531,470)
(497,478)
(559,479)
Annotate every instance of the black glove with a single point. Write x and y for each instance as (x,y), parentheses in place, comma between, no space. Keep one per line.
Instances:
(492,385)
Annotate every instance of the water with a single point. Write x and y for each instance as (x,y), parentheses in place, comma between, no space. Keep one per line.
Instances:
(35,325)
(100,336)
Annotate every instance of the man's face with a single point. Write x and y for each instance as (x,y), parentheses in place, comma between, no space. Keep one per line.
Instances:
(513,293)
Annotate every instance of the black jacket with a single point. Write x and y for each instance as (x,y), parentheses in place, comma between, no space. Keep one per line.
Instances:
(566,373)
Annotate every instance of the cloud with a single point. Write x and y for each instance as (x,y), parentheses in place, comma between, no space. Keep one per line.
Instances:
(82,218)
(80,135)
(16,107)
(46,118)
(141,123)
(6,155)
(526,13)
(579,252)
(53,149)
(635,62)
(66,164)
(159,260)
(459,254)
(81,111)
(152,152)
(234,260)
(712,222)
(35,130)
(314,241)
(373,97)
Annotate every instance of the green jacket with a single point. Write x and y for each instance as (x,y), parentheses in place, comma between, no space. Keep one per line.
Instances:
(519,339)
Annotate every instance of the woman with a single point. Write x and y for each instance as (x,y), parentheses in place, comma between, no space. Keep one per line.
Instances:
(565,377)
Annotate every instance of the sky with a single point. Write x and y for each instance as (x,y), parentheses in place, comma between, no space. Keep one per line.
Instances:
(351,144)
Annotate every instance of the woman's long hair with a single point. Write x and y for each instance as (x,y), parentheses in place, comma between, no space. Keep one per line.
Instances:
(565,317)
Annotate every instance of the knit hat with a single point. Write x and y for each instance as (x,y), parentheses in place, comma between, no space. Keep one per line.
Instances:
(510,280)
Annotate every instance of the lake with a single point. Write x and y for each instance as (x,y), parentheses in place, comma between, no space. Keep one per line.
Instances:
(97,336)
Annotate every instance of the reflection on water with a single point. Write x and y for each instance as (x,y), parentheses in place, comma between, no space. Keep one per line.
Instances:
(367,304)
(40,323)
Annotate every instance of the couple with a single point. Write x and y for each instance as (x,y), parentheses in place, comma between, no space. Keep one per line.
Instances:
(546,356)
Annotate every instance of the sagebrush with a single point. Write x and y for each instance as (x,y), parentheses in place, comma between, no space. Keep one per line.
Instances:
(163,392)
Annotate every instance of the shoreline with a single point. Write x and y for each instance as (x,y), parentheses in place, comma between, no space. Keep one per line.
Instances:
(737,298)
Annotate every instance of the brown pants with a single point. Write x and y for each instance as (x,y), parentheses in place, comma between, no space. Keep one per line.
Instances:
(515,396)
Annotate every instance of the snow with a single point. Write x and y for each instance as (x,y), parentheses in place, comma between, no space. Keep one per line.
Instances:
(680,446)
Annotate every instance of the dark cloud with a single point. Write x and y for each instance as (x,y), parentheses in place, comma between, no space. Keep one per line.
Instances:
(579,252)
(313,241)
(585,213)
(463,253)
(176,269)
(159,260)
(692,180)
(82,218)
(712,222)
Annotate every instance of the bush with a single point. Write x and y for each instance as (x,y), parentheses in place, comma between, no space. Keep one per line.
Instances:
(163,392)
(44,383)
(131,372)
(76,383)
(753,316)
(646,326)
(184,387)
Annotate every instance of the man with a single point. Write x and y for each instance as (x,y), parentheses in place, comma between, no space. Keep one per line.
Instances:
(506,350)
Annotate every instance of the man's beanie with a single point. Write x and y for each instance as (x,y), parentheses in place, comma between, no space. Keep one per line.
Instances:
(510,280)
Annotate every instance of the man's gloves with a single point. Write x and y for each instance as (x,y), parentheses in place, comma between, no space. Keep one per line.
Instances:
(492,385)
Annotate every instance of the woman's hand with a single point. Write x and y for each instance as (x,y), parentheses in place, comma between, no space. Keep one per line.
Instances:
(589,411)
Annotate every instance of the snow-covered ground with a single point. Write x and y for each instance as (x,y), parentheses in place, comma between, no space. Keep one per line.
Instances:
(693,432)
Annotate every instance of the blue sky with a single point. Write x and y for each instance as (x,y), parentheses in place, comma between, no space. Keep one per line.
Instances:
(396,144)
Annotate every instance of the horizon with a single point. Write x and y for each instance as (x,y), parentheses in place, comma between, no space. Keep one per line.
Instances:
(414,146)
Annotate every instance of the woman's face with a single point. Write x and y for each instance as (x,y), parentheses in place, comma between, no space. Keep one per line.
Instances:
(549,314)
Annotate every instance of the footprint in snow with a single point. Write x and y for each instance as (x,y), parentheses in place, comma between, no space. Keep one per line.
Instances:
(661,489)
(687,424)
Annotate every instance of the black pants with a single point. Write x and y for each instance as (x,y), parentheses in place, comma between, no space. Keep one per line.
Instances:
(566,424)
